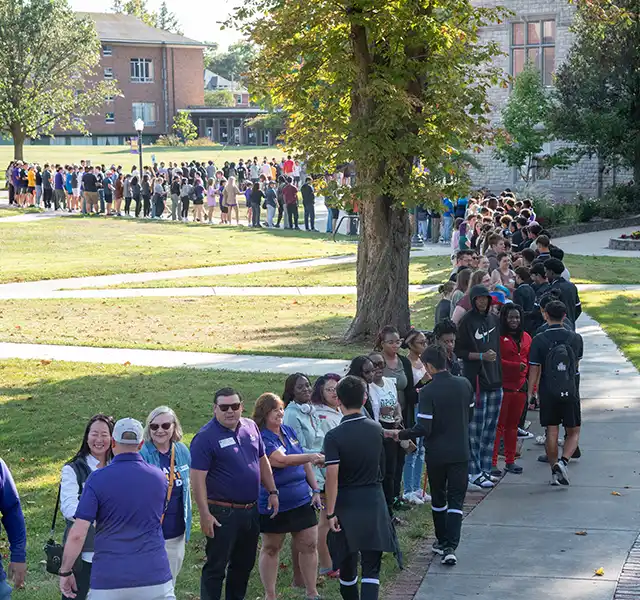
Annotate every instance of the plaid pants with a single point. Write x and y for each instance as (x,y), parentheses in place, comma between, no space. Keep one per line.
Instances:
(482,431)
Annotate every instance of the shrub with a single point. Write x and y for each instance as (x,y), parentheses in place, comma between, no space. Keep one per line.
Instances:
(587,209)
(203,142)
(170,139)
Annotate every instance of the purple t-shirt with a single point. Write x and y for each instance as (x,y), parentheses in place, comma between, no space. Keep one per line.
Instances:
(59,181)
(126,499)
(173,524)
(231,459)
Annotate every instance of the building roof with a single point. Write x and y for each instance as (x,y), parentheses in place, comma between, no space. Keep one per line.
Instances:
(127,29)
(213,81)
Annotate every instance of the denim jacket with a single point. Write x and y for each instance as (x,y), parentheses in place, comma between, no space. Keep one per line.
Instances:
(183,462)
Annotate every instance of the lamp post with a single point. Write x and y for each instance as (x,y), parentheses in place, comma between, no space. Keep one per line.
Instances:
(139,126)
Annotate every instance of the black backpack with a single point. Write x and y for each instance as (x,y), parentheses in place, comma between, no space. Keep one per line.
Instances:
(559,372)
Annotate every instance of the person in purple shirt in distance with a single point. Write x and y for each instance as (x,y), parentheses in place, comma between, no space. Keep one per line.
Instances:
(59,199)
(228,463)
(14,527)
(126,500)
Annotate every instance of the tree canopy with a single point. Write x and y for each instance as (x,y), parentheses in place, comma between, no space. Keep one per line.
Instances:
(232,64)
(48,59)
(163,18)
(396,87)
(219,98)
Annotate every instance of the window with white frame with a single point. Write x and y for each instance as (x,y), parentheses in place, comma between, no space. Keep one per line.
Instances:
(534,42)
(239,99)
(145,111)
(110,117)
(107,50)
(108,73)
(141,70)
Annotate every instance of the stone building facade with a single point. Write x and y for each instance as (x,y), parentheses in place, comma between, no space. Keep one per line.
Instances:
(538,30)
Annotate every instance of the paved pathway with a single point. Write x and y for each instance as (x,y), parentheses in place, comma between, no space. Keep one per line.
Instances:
(596,243)
(521,541)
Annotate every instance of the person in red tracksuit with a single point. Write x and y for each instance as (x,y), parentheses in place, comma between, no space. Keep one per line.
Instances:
(515,344)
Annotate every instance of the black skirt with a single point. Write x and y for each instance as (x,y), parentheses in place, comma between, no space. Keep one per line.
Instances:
(290,521)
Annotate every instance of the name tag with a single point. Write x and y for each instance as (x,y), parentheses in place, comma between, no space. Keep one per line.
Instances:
(227,442)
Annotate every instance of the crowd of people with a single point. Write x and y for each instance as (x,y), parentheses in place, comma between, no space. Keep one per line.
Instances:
(335,462)
(193,191)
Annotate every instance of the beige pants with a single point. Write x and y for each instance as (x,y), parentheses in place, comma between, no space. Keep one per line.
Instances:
(163,591)
(175,552)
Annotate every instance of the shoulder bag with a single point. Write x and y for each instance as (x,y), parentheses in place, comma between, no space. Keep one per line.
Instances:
(172,478)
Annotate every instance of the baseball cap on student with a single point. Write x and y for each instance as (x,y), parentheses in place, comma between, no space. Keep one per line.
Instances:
(128,431)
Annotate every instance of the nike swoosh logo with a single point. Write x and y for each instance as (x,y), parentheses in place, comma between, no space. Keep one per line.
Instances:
(482,336)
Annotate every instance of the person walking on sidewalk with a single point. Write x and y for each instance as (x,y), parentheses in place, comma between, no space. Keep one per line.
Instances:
(446,406)
(125,500)
(16,533)
(478,345)
(356,509)
(554,360)
(515,344)
(228,463)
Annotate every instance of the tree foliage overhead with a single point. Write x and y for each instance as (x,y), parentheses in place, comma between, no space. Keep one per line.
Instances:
(232,64)
(520,141)
(163,18)
(185,127)
(48,55)
(219,98)
(389,84)
(597,89)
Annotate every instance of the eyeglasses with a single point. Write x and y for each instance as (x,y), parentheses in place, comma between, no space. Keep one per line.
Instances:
(225,407)
(156,426)
(379,364)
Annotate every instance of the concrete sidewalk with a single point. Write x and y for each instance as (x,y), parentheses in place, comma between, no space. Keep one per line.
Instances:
(521,541)
(596,243)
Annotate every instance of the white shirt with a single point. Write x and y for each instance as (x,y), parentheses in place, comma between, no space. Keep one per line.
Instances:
(69,490)
(385,395)
(266,169)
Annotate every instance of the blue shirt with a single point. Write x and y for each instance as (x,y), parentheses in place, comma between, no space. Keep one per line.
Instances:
(448,207)
(173,524)
(231,459)
(12,519)
(291,482)
(126,499)
(58,181)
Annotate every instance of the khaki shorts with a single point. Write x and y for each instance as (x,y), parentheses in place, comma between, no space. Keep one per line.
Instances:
(92,198)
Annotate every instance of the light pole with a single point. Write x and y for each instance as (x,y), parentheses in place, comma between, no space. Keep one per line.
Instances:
(139,125)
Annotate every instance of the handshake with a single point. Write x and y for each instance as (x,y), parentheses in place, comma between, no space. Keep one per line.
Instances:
(392,433)
(316,459)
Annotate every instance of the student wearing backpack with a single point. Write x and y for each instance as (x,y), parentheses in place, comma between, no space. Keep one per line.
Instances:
(554,269)
(554,358)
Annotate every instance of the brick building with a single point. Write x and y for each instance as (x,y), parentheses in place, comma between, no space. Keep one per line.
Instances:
(157,72)
(538,31)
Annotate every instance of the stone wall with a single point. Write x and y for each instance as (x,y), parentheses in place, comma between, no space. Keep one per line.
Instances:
(562,184)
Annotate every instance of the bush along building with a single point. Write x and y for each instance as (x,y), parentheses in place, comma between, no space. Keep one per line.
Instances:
(538,32)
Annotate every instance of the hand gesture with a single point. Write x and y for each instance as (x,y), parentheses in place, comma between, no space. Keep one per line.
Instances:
(68,586)
(522,367)
(317,459)
(489,356)
(17,572)
(273,505)
(532,402)
(208,523)
(334,524)
(317,501)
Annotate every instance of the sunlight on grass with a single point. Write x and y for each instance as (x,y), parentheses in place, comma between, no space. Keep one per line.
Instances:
(603,269)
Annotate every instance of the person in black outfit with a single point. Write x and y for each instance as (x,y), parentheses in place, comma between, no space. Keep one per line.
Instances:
(255,199)
(309,204)
(356,508)
(568,291)
(445,410)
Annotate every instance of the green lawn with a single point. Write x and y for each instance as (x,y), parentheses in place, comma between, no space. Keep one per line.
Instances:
(81,246)
(309,326)
(422,270)
(603,269)
(13,212)
(619,315)
(44,409)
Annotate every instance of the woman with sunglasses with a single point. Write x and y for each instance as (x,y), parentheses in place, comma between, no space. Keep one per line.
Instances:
(94,453)
(416,343)
(399,368)
(163,448)
(325,405)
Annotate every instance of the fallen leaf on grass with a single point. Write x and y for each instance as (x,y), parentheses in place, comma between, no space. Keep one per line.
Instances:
(616,494)
(126,364)
(581,533)
(45,361)
(599,572)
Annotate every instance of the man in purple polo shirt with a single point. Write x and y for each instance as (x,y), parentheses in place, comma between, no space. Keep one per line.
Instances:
(59,198)
(126,500)
(227,465)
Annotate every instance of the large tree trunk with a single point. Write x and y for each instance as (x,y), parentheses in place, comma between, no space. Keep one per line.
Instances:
(18,142)
(382,269)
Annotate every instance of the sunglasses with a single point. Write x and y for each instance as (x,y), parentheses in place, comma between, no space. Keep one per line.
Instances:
(379,364)
(156,426)
(225,407)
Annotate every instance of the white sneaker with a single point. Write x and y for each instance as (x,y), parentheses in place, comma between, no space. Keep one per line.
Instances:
(423,496)
(540,440)
(413,498)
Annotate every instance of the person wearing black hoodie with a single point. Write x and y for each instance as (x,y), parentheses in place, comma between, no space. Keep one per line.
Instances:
(554,269)
(478,345)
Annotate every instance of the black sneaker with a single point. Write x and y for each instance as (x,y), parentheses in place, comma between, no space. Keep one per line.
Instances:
(449,558)
(437,548)
(400,504)
(575,457)
(513,468)
(561,472)
(495,472)
(543,458)
(525,435)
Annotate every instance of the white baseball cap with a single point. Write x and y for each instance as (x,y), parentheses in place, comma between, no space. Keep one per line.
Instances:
(128,431)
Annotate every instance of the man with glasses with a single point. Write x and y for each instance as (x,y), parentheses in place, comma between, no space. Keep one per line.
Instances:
(228,464)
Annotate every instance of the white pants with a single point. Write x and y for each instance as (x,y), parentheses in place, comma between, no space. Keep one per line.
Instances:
(271,212)
(164,591)
(175,552)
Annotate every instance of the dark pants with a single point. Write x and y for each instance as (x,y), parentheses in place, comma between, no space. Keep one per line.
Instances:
(394,461)
(309,215)
(12,194)
(83,578)
(127,205)
(159,204)
(255,214)
(280,213)
(138,208)
(370,562)
(448,485)
(47,194)
(184,213)
(146,201)
(292,215)
(232,552)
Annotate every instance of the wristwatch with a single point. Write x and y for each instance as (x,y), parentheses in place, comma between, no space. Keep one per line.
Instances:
(316,491)
(274,493)
(65,574)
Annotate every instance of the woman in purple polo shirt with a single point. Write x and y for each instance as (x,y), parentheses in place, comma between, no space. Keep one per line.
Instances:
(299,494)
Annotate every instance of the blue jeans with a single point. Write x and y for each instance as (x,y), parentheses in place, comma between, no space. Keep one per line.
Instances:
(447,223)
(423,229)
(5,590)
(414,463)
